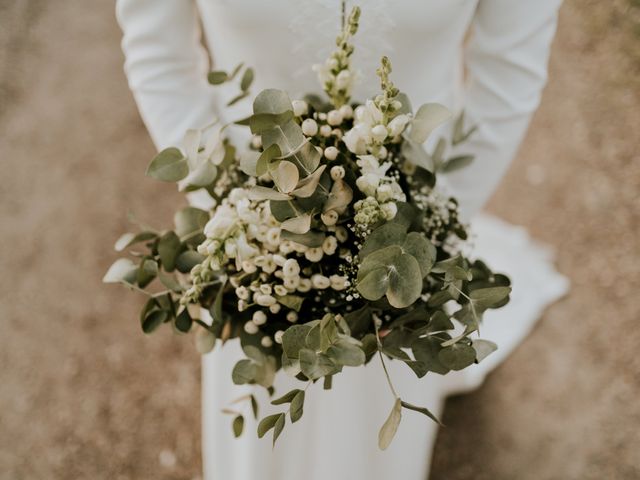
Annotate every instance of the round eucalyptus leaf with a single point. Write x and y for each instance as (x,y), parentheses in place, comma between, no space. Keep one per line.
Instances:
(405,282)
(457,356)
(422,250)
(170,165)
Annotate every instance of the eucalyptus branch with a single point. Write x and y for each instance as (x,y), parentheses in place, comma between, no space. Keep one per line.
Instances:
(384,365)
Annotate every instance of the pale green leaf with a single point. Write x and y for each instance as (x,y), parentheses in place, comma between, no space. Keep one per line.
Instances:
(390,426)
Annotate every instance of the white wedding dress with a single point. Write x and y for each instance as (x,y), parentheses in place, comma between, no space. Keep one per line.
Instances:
(505,62)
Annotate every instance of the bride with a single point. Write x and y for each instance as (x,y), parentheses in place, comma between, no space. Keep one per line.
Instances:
(486,56)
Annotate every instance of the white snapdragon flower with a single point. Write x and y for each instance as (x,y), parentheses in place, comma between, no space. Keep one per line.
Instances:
(398,124)
(220,224)
(355,142)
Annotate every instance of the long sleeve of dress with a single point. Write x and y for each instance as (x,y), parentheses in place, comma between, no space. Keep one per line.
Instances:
(506,62)
(166,66)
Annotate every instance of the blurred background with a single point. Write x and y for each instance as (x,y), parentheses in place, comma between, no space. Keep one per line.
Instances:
(84,394)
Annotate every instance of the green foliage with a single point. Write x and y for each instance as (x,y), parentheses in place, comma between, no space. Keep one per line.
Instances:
(170,165)
(390,426)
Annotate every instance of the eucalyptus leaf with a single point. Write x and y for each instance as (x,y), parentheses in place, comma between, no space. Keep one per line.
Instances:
(247,79)
(346,353)
(190,221)
(297,406)
(153,320)
(205,341)
(483,348)
(120,271)
(390,426)
(457,356)
(238,426)
(299,225)
(170,165)
(422,410)
(456,163)
(268,423)
(286,398)
(428,117)
(187,260)
(217,77)
(244,372)
(488,297)
(260,193)
(129,239)
(169,248)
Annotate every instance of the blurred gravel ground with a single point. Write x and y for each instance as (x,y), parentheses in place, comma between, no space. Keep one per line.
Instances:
(84,395)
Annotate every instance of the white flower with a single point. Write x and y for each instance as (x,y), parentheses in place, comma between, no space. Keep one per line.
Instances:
(398,124)
(331,153)
(264,300)
(329,218)
(280,290)
(325,130)
(330,245)
(242,305)
(346,111)
(355,142)
(266,342)
(384,193)
(291,283)
(320,282)
(300,108)
(230,248)
(379,133)
(309,127)
(242,293)
(383,152)
(292,316)
(244,250)
(338,282)
(259,317)
(266,289)
(314,254)
(275,308)
(342,234)
(389,210)
(304,285)
(251,328)
(337,172)
(334,117)
(249,267)
(220,224)
(368,183)
(291,268)
(344,80)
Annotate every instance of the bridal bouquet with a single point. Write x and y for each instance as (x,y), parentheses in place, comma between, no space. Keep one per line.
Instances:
(328,246)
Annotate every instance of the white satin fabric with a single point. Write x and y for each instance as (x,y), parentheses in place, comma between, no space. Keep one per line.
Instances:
(505,62)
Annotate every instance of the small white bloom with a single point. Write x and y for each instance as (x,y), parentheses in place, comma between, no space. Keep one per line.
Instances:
(309,127)
(221,222)
(329,218)
(398,124)
(314,254)
(285,247)
(320,282)
(334,117)
(337,172)
(242,305)
(325,130)
(259,317)
(389,210)
(304,285)
(338,282)
(383,152)
(355,142)
(342,234)
(230,248)
(251,328)
(278,336)
(275,308)
(379,133)
(292,316)
(273,236)
(291,283)
(279,260)
(256,142)
(242,293)
(346,111)
(300,108)
(266,342)
(249,267)
(264,300)
(280,290)
(291,268)
(265,288)
(329,245)
(384,193)
(331,153)
(344,79)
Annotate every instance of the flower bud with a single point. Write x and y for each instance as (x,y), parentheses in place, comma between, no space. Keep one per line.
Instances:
(300,108)
(379,133)
(251,328)
(325,130)
(331,153)
(266,342)
(329,218)
(334,118)
(346,111)
(309,127)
